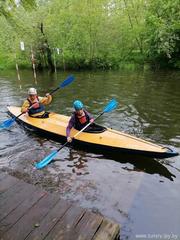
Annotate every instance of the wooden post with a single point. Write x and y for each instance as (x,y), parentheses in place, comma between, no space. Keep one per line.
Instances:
(55,66)
(55,60)
(63,61)
(33,63)
(17,68)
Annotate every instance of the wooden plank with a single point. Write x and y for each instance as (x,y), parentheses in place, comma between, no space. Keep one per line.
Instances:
(50,220)
(108,230)
(62,230)
(18,212)
(12,198)
(87,227)
(26,224)
(12,191)
(27,213)
(6,183)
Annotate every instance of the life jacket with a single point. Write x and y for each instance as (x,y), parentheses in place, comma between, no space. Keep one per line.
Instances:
(36,109)
(82,121)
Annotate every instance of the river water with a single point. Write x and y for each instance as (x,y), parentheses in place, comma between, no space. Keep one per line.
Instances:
(140,194)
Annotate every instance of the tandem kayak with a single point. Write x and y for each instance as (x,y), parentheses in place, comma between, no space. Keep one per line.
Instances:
(100,139)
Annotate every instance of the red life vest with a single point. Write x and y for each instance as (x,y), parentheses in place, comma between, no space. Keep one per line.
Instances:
(35,106)
(82,119)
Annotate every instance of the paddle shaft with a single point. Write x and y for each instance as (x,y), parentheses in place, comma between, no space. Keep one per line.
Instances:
(53,91)
(80,131)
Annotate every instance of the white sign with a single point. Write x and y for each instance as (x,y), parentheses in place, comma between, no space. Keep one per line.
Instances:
(58,51)
(22,46)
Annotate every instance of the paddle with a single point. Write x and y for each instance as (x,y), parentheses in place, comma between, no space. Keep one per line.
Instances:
(8,123)
(109,107)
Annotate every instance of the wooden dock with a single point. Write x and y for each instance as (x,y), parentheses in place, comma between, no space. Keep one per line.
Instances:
(27,212)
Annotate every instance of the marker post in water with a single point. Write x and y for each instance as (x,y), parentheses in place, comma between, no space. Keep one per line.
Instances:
(55,59)
(33,63)
(64,66)
(17,67)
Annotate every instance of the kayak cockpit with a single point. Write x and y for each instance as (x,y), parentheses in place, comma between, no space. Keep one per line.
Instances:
(95,128)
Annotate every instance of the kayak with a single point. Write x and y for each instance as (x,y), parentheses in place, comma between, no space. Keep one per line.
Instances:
(98,138)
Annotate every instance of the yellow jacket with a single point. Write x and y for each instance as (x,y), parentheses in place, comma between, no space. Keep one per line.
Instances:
(43,100)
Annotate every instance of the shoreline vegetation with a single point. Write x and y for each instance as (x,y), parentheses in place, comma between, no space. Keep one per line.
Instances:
(93,34)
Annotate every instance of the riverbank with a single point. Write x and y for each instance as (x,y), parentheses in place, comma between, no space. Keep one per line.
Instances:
(129,65)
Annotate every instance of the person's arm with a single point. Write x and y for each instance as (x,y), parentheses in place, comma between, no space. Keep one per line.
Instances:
(25,106)
(46,100)
(69,126)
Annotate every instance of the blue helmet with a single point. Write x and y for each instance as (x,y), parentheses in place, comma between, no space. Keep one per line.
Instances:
(78,105)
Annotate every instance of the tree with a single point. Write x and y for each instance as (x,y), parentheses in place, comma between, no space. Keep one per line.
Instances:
(163,32)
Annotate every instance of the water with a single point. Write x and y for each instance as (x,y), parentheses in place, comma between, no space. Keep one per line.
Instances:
(141,195)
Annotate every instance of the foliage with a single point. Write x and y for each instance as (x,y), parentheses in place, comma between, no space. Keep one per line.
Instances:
(163,32)
(91,33)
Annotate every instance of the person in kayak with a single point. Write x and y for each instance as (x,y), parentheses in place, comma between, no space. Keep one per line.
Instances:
(38,109)
(79,119)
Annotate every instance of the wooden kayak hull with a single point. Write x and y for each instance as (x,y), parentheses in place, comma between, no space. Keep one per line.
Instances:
(107,142)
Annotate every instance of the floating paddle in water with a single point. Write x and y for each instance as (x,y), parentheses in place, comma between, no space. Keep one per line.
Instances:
(9,122)
(109,107)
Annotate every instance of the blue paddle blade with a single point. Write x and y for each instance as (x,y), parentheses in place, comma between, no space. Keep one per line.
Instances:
(67,81)
(7,123)
(110,106)
(46,160)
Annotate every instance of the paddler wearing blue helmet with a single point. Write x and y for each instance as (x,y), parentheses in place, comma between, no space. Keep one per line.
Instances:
(79,119)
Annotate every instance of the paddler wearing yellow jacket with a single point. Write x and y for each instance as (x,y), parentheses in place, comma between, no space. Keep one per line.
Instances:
(36,104)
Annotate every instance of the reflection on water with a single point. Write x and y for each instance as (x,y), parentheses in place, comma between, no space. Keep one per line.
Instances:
(144,164)
(136,192)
